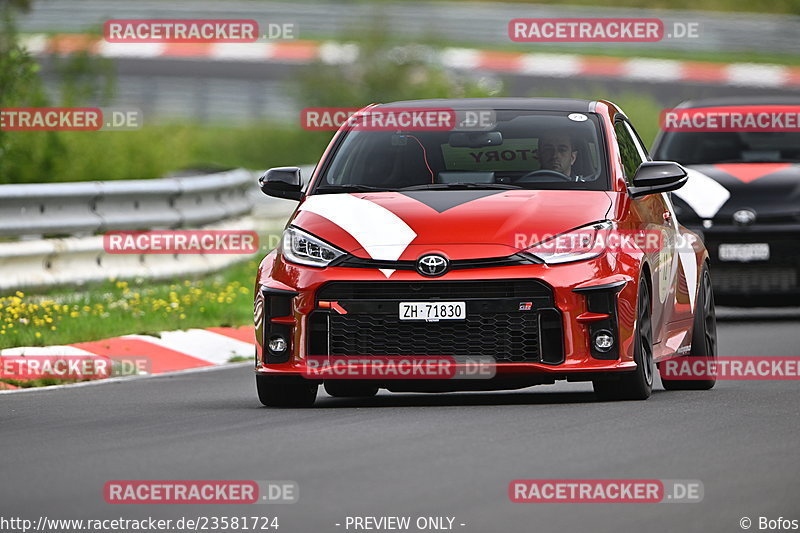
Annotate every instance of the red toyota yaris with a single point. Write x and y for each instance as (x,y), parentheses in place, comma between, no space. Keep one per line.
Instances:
(539,243)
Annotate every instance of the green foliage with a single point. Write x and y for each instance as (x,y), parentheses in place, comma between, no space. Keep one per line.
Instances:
(19,87)
(115,307)
(642,109)
(387,71)
(156,150)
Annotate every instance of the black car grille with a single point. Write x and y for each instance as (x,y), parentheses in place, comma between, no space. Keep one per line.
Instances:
(494,327)
(753,279)
(509,337)
(458,264)
(779,273)
(423,290)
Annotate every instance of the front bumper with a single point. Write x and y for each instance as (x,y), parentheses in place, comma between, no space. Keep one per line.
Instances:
(535,321)
(775,281)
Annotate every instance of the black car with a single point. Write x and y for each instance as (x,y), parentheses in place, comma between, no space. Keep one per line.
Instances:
(743,197)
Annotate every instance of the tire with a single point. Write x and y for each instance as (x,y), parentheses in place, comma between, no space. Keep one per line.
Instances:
(350,389)
(704,338)
(278,391)
(636,385)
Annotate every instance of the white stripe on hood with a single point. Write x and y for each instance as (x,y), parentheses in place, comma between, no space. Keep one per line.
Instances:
(382,234)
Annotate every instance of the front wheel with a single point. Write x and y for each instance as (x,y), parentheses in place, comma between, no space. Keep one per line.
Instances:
(636,385)
(704,339)
(278,391)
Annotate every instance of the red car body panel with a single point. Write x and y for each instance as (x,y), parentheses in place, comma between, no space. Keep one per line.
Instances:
(489,226)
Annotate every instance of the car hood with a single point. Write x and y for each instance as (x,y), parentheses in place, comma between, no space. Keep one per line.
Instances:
(462,224)
(772,190)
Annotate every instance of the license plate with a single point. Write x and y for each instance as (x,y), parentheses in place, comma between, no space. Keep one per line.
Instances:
(744,252)
(433,311)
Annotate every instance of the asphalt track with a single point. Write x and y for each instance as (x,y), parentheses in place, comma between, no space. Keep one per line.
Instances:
(412,454)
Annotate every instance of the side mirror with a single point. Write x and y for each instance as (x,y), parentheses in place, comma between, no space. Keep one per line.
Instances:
(282,182)
(654,177)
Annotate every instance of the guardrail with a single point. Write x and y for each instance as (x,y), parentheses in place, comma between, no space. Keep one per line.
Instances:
(79,260)
(50,233)
(86,208)
(474,22)
(52,230)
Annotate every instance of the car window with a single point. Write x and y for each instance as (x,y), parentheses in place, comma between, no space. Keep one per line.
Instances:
(526,149)
(645,155)
(708,148)
(630,153)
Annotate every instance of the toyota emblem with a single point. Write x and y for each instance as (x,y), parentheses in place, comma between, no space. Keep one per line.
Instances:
(432,265)
(744,217)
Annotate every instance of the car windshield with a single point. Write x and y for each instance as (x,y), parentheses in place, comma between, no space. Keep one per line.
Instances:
(520,149)
(704,148)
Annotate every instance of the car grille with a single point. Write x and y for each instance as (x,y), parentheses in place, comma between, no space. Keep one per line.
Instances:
(753,279)
(779,273)
(422,290)
(506,336)
(494,326)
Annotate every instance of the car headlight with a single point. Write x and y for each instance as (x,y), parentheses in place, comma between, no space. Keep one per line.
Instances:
(578,244)
(303,248)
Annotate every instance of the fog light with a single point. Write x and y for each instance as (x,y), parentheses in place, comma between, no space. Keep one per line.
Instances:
(603,340)
(277,344)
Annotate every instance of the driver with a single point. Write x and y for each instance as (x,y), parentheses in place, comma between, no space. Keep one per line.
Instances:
(557,152)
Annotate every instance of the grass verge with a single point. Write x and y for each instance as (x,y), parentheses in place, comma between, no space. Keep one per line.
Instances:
(113,308)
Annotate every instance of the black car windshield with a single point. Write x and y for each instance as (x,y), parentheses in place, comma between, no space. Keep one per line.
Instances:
(520,149)
(704,148)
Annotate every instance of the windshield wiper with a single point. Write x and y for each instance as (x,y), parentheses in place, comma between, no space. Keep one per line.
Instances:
(460,185)
(351,187)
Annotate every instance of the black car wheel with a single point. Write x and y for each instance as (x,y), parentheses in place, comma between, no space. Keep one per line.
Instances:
(279,391)
(636,385)
(704,338)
